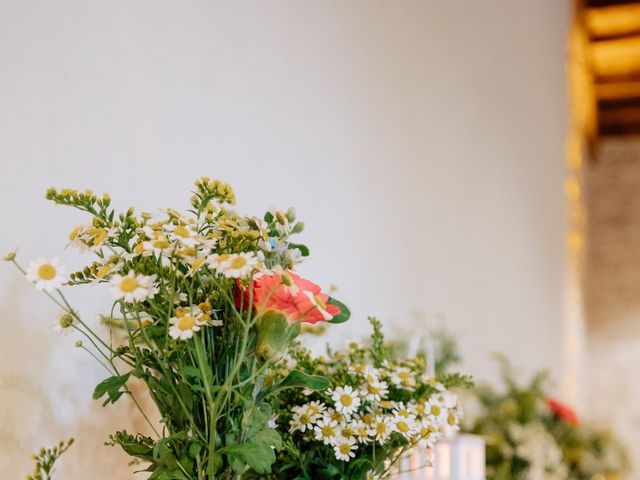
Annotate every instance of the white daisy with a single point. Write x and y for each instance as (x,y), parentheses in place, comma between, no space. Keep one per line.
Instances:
(64,324)
(315,409)
(345,448)
(403,378)
(132,287)
(326,430)
(89,237)
(381,428)
(317,302)
(346,399)
(427,434)
(184,234)
(435,409)
(46,275)
(233,265)
(183,327)
(374,391)
(301,421)
(361,431)
(405,426)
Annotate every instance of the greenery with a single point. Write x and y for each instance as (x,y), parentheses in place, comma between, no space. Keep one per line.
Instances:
(530,436)
(208,303)
(378,406)
(45,460)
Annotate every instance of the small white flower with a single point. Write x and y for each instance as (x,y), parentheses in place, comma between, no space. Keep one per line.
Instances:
(326,430)
(345,448)
(405,426)
(132,287)
(64,324)
(427,434)
(234,265)
(403,378)
(346,399)
(46,275)
(183,234)
(361,431)
(381,428)
(315,409)
(435,409)
(183,327)
(375,391)
(301,421)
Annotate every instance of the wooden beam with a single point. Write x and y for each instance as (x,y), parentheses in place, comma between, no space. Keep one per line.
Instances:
(621,90)
(606,3)
(613,21)
(617,58)
(619,120)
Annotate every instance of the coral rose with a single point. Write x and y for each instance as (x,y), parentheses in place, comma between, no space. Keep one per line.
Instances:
(293,296)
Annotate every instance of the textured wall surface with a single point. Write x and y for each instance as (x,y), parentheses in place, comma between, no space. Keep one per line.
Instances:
(421,141)
(613,290)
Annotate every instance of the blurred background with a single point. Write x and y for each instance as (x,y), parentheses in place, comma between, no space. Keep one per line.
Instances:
(464,164)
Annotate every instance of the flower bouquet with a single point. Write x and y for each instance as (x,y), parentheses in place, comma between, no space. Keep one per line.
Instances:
(376,408)
(206,304)
(530,436)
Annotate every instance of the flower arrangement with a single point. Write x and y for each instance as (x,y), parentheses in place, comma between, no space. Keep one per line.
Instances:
(376,408)
(207,303)
(530,436)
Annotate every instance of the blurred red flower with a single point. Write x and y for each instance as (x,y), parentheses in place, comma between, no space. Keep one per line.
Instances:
(563,411)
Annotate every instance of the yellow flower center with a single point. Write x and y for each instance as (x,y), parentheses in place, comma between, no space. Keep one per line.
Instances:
(139,248)
(347,432)
(403,427)
(328,431)
(336,416)
(404,375)
(435,410)
(161,243)
(100,235)
(451,420)
(186,322)
(373,389)
(345,448)
(381,428)
(46,271)
(74,233)
(367,419)
(197,264)
(182,231)
(346,400)
(304,419)
(129,284)
(104,271)
(238,262)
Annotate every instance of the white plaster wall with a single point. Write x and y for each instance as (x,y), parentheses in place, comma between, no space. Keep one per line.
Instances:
(421,141)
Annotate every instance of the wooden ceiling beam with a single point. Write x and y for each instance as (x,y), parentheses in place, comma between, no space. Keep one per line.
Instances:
(607,3)
(615,91)
(614,59)
(613,21)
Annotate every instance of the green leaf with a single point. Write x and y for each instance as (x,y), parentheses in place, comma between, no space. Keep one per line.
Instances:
(111,386)
(164,474)
(257,455)
(298,379)
(304,250)
(344,314)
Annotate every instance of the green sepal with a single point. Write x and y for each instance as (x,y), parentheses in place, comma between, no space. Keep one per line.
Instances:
(344,314)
